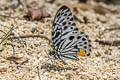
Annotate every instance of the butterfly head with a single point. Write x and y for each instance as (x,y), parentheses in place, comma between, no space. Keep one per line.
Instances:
(52,53)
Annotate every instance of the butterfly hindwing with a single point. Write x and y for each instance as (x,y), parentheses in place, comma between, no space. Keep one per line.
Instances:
(73,44)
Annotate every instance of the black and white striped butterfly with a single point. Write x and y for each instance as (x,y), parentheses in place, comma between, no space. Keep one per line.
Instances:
(68,41)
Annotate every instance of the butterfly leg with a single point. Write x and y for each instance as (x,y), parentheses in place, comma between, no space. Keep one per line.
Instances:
(63,62)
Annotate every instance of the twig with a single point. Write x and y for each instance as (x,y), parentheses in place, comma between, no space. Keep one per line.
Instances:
(33,36)
(111,41)
(6,16)
(113,28)
(38,73)
(3,32)
(12,17)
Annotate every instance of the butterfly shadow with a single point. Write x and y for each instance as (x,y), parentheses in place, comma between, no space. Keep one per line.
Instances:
(55,67)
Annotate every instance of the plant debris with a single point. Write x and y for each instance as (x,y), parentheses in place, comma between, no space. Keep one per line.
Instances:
(36,14)
(18,60)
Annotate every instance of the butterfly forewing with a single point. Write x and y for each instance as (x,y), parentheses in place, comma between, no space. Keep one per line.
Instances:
(67,40)
(63,24)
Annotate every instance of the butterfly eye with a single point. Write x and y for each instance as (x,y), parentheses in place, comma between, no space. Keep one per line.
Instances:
(71,37)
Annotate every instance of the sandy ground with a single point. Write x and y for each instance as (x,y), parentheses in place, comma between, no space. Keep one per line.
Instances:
(33,53)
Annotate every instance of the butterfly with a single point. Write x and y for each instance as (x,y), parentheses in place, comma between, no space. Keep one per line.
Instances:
(68,41)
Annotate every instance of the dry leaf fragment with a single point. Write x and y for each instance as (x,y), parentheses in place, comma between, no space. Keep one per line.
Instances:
(97,8)
(18,60)
(82,6)
(78,5)
(36,14)
(101,10)
(110,41)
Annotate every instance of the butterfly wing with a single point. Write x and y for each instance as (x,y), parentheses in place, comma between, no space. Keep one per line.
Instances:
(76,42)
(65,35)
(63,24)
